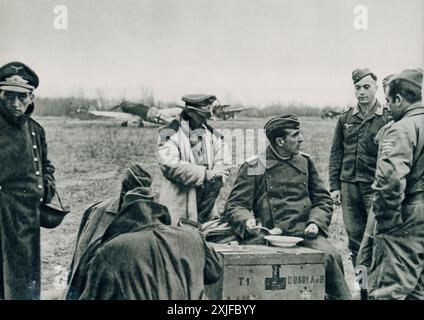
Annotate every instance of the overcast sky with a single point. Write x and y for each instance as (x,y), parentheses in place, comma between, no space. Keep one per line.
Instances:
(246,51)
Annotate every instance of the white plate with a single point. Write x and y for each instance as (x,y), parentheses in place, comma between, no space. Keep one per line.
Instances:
(283,241)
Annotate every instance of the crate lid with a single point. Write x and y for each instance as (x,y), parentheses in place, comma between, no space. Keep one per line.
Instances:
(264,255)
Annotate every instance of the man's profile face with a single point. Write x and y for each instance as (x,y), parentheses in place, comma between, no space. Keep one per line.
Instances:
(365,90)
(292,142)
(395,105)
(16,102)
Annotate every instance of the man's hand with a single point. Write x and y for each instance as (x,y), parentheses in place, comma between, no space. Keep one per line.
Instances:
(336,197)
(217,173)
(311,230)
(252,227)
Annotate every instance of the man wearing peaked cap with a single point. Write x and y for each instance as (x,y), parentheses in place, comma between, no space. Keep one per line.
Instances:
(198,100)
(353,156)
(282,188)
(198,109)
(26,181)
(194,162)
(397,268)
(17,77)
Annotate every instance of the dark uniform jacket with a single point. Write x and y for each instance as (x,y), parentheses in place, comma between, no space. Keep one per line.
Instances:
(354,150)
(140,258)
(26,180)
(287,194)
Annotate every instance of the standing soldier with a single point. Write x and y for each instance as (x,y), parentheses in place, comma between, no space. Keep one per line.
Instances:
(354,154)
(397,269)
(193,158)
(364,256)
(26,181)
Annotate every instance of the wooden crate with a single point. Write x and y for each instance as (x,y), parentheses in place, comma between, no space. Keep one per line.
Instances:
(269,273)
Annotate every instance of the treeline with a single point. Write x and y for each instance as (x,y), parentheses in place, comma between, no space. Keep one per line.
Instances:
(69,106)
(78,107)
(281,108)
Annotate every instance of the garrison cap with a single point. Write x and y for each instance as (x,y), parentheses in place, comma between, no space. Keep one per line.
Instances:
(413,76)
(287,121)
(199,102)
(360,73)
(17,77)
(386,80)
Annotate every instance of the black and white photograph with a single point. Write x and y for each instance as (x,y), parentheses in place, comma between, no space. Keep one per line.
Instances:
(215,150)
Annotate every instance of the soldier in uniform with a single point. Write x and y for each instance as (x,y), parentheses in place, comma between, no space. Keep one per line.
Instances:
(397,268)
(282,188)
(140,256)
(99,216)
(364,256)
(353,156)
(193,159)
(26,181)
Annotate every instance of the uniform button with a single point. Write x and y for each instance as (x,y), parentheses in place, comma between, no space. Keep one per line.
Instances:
(35,159)
(34,146)
(41,199)
(0,187)
(274,209)
(33,133)
(271,187)
(37,173)
(40,187)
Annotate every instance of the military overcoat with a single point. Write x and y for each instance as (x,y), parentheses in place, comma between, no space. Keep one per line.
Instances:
(26,180)
(287,194)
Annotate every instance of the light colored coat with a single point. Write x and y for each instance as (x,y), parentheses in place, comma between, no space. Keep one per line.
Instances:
(181,174)
(393,244)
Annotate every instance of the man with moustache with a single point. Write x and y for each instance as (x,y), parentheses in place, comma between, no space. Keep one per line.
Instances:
(354,154)
(26,181)
(282,188)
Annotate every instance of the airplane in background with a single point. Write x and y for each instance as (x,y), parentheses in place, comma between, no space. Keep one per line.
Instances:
(138,113)
(221,111)
(330,114)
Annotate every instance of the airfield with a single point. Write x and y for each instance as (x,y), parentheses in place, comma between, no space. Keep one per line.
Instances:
(91,157)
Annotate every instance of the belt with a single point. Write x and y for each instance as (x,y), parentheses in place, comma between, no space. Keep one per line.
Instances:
(413,198)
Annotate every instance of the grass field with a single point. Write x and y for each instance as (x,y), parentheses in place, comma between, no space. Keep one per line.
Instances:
(91,156)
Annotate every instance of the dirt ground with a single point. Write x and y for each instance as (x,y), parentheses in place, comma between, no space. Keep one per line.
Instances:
(91,156)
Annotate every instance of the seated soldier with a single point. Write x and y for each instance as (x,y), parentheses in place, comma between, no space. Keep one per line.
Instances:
(282,188)
(141,256)
(97,218)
